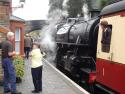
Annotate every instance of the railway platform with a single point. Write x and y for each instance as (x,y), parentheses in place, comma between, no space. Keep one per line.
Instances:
(54,82)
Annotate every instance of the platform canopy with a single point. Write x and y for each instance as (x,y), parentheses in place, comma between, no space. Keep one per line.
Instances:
(4,29)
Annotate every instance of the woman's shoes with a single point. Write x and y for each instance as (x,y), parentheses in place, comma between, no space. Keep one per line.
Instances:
(35,91)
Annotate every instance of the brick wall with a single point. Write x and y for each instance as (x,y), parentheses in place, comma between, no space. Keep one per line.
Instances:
(13,26)
(4,13)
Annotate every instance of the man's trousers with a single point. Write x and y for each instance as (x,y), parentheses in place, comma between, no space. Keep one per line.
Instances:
(9,75)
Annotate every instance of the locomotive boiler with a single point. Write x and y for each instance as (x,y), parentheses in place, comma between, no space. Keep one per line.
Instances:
(76,49)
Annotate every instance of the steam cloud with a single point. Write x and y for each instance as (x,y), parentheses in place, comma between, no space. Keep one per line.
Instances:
(85,11)
(48,35)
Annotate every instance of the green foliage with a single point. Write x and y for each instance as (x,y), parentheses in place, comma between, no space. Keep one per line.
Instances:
(55,4)
(74,7)
(113,1)
(104,3)
(19,66)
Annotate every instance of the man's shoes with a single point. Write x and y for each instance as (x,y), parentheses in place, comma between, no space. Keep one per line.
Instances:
(8,91)
(17,93)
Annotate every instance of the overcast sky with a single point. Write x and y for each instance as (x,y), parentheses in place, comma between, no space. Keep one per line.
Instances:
(33,9)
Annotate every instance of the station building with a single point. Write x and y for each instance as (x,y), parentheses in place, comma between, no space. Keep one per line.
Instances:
(8,22)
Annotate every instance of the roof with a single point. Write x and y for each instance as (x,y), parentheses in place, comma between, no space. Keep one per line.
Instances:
(32,25)
(14,18)
(116,7)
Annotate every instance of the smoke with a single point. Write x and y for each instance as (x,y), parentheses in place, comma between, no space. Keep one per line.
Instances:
(85,11)
(65,12)
(64,3)
(47,41)
(48,34)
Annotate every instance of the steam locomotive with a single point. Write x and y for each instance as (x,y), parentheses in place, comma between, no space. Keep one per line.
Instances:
(92,56)
(77,42)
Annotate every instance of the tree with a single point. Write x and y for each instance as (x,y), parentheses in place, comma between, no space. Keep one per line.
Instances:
(104,3)
(74,7)
(113,1)
(107,2)
(55,4)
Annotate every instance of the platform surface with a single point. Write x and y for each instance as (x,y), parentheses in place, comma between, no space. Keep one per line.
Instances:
(52,83)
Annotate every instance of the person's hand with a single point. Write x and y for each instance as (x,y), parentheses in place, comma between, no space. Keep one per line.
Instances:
(14,53)
(23,56)
(44,54)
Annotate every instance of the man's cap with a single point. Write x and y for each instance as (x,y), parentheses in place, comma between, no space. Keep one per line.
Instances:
(104,23)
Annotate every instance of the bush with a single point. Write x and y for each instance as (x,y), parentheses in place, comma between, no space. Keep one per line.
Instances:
(19,66)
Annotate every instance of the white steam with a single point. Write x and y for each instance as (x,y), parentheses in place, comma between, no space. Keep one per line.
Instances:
(48,43)
(85,11)
(65,12)
(48,34)
(64,3)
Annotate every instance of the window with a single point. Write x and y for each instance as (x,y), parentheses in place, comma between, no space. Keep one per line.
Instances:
(106,38)
(17,40)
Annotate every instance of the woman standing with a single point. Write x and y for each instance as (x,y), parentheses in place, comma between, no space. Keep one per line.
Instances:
(36,67)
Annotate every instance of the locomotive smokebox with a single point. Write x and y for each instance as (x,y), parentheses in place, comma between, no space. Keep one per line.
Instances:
(77,31)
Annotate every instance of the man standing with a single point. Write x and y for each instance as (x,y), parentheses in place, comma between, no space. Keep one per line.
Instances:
(7,64)
(27,45)
(106,36)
